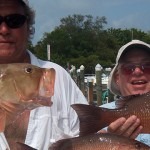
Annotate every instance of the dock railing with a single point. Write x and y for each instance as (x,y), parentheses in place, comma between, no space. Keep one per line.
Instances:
(94,86)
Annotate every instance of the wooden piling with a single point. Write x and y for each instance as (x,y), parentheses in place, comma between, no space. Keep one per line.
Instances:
(82,84)
(98,72)
(90,91)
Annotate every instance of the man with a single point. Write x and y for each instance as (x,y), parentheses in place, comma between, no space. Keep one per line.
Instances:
(40,127)
(130,76)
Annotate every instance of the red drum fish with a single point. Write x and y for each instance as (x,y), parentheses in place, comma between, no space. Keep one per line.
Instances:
(94,118)
(99,142)
(23,86)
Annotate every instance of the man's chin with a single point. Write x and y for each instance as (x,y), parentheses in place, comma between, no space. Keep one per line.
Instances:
(139,92)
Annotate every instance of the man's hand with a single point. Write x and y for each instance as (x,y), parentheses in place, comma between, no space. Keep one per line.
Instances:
(127,127)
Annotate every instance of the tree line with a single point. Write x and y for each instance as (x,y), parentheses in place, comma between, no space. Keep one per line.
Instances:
(85,40)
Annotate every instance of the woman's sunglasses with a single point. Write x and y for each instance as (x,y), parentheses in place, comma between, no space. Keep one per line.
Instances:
(128,69)
(14,20)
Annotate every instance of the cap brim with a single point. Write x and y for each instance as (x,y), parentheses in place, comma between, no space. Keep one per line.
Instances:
(112,86)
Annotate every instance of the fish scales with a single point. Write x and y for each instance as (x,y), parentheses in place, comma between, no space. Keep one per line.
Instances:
(99,142)
(93,118)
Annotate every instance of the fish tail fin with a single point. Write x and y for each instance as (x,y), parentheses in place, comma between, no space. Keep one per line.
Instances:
(90,118)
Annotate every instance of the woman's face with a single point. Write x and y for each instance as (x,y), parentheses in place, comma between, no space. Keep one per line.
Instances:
(133,76)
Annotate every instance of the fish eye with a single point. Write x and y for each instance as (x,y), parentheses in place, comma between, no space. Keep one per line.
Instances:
(28,70)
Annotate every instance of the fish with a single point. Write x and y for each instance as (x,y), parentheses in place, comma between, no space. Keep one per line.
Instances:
(93,118)
(101,141)
(23,146)
(23,86)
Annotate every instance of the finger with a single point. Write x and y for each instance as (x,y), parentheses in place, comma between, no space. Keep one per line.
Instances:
(114,126)
(132,127)
(125,128)
(136,132)
(102,131)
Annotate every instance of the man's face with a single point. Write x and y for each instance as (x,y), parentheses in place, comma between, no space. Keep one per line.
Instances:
(133,76)
(13,41)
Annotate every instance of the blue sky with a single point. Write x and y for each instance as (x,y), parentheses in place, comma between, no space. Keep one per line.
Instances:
(119,13)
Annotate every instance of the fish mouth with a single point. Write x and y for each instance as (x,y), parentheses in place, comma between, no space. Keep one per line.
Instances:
(34,101)
(38,101)
(45,101)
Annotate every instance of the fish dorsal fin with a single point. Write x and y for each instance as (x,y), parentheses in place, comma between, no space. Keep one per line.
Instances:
(123,101)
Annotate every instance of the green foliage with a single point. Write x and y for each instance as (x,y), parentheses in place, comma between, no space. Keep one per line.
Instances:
(83,40)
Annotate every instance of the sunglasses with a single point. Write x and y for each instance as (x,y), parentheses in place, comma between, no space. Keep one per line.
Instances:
(14,20)
(128,69)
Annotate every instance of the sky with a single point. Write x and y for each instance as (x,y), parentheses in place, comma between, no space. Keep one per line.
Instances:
(123,14)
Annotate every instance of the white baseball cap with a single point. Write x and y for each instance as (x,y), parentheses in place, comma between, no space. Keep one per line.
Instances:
(112,86)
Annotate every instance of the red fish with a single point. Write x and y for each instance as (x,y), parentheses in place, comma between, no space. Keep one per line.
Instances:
(23,86)
(94,118)
(99,142)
